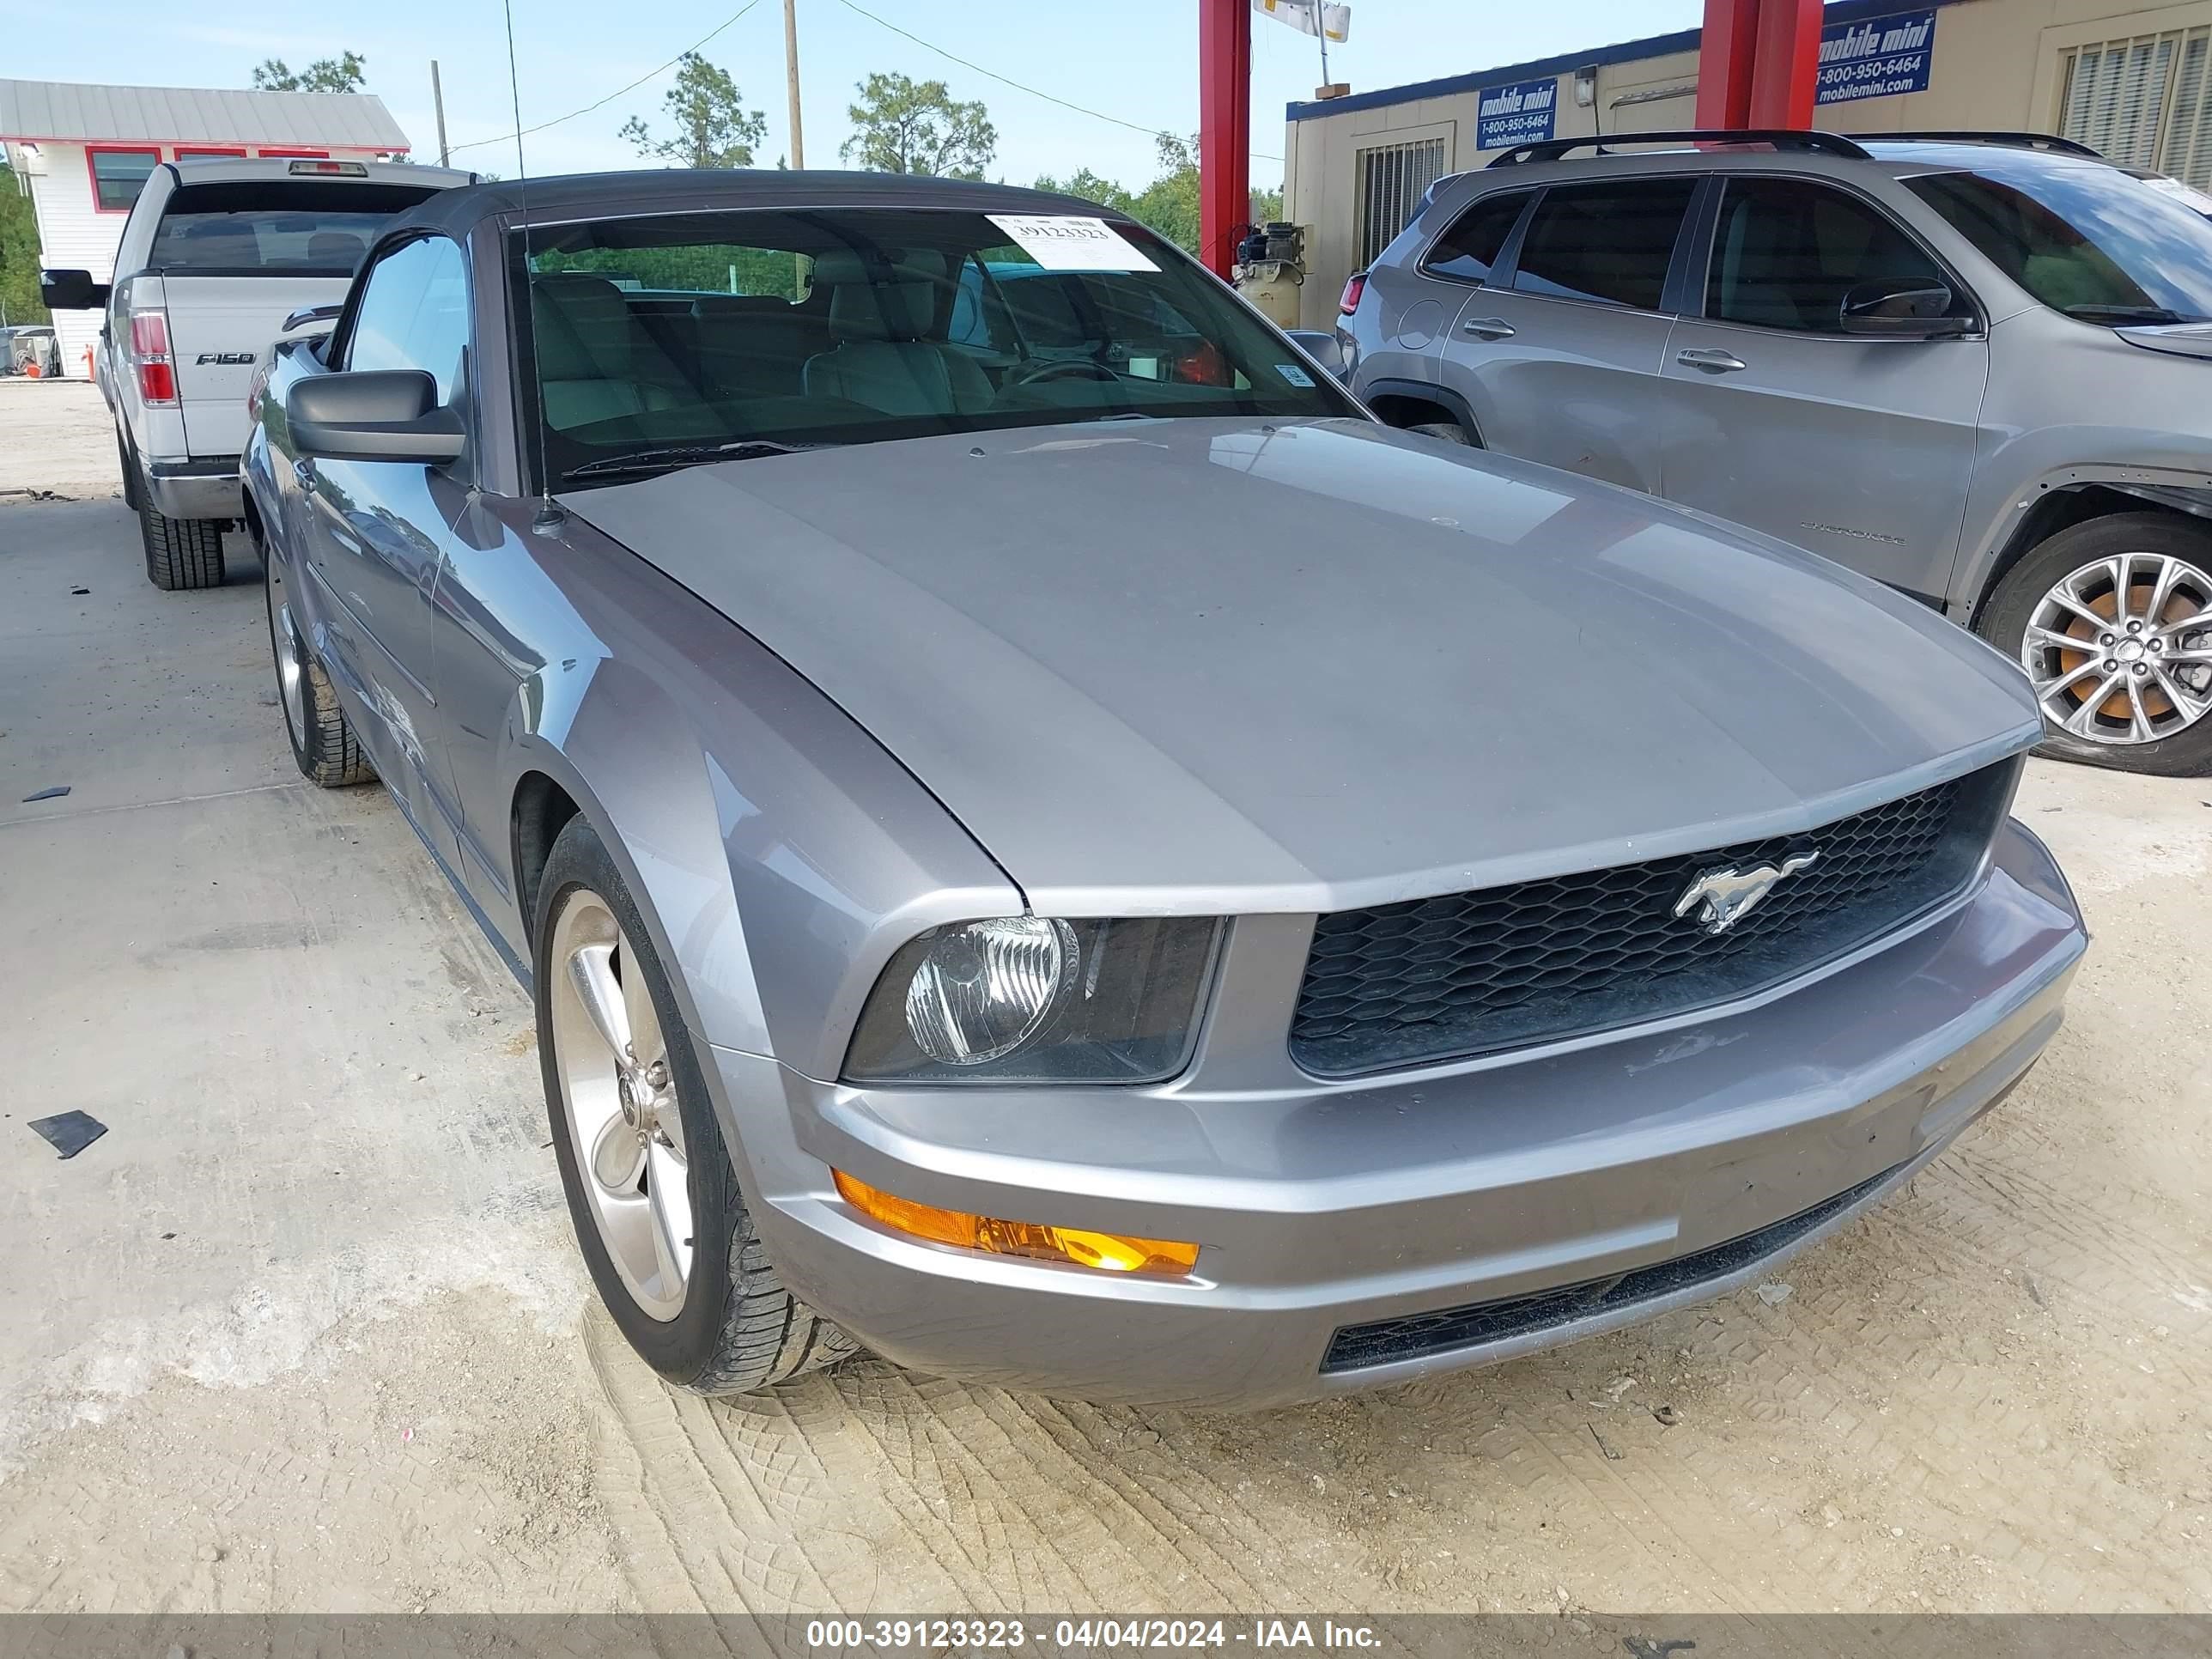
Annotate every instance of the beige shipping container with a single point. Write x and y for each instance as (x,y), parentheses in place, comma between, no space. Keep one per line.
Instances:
(2132,81)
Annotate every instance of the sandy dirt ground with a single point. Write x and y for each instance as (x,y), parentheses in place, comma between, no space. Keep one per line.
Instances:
(306,1331)
(57,442)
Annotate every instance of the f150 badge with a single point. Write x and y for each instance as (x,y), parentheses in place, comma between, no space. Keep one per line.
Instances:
(206,358)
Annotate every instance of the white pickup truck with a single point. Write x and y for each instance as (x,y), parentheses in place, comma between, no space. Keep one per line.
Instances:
(217,256)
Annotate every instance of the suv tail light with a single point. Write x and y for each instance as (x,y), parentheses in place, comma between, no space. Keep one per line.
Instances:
(1352,289)
(150,355)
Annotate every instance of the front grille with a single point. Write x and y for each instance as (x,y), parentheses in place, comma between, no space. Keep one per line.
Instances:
(1419,1336)
(1472,973)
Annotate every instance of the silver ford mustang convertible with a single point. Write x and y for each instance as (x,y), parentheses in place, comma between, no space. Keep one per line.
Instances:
(1048,843)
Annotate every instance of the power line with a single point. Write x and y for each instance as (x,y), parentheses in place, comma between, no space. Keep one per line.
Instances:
(1034,92)
(524,132)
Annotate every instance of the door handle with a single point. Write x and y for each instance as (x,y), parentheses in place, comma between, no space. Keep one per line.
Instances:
(1488,328)
(1712,360)
(303,474)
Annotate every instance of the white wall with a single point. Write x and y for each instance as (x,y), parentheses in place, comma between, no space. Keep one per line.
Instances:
(73,235)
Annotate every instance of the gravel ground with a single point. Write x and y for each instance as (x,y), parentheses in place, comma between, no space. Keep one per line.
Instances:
(59,442)
(305,1330)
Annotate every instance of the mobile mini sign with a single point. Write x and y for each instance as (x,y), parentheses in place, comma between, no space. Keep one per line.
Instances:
(1878,58)
(1518,115)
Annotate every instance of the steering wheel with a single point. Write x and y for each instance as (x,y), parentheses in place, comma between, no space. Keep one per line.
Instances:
(1064,368)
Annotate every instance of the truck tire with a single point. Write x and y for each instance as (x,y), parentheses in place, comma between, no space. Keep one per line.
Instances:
(180,553)
(715,1318)
(2134,696)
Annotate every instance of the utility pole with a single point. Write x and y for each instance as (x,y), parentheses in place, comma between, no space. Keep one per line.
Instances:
(438,100)
(791,79)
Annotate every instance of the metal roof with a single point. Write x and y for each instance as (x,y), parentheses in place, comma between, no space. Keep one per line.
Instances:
(69,112)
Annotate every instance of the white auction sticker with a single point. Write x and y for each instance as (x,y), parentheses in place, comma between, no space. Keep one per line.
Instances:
(1065,242)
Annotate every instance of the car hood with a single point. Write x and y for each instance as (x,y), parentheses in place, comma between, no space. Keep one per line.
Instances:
(1205,665)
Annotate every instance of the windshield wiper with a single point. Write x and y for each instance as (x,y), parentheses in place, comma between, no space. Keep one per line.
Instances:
(669,458)
(2117,314)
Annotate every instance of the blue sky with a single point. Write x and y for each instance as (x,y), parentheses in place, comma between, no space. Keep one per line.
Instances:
(1133,59)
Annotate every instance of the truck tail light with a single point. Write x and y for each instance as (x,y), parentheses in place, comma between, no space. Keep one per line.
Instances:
(149,354)
(1352,289)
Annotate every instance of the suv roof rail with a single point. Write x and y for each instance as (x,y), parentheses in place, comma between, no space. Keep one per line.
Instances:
(2010,140)
(1551,149)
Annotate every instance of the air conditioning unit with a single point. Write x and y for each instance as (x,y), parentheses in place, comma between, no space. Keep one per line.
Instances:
(28,161)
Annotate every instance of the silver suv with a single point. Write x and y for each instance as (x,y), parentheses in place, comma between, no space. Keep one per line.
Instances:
(1972,365)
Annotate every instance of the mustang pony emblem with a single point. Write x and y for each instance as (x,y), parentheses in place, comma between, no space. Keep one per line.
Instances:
(1729,895)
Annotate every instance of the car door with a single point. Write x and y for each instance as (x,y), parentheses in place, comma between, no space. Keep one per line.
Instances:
(379,530)
(1861,448)
(1557,352)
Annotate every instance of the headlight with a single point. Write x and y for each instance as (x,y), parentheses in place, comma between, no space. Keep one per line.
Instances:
(1035,999)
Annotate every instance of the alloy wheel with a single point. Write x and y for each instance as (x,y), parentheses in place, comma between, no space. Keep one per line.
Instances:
(620,1100)
(2120,651)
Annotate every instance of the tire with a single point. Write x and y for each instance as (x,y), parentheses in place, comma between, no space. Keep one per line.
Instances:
(180,553)
(2156,548)
(129,463)
(1451,432)
(728,1326)
(324,746)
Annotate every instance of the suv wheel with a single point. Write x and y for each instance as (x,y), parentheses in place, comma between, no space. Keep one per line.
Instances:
(180,553)
(1451,432)
(2112,620)
(663,1225)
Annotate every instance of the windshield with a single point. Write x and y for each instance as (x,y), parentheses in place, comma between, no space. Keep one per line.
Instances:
(2088,241)
(275,227)
(663,342)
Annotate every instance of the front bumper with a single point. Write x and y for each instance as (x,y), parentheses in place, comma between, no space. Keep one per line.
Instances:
(1368,1232)
(195,489)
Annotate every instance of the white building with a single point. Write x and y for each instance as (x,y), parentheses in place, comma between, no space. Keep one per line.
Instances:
(83,151)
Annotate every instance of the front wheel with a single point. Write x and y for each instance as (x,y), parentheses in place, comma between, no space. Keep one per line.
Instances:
(1451,432)
(658,1213)
(2112,620)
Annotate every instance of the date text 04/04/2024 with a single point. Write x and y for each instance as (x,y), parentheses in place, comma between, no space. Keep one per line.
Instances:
(1076,1635)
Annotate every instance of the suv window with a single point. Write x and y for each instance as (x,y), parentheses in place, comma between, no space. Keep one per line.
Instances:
(1610,241)
(2085,240)
(1477,237)
(1786,252)
(413,313)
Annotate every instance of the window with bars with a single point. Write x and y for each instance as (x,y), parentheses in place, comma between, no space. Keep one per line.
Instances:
(1392,179)
(2145,101)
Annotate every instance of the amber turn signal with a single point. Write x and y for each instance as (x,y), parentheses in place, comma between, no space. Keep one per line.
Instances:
(1112,1253)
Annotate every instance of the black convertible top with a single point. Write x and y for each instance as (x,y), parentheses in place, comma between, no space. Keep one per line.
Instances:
(569,196)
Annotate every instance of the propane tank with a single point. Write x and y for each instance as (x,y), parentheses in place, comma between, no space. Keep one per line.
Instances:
(1270,269)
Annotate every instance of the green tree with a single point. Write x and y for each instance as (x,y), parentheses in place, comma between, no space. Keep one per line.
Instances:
(344,73)
(1169,203)
(19,254)
(902,125)
(714,129)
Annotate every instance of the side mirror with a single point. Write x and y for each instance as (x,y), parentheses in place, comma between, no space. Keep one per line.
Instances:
(1323,347)
(1900,308)
(376,415)
(307,314)
(71,290)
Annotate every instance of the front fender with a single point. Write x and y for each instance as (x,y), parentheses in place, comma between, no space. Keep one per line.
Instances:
(779,855)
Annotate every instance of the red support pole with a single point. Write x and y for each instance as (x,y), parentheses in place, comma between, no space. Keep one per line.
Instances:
(1787,70)
(1225,129)
(1726,52)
